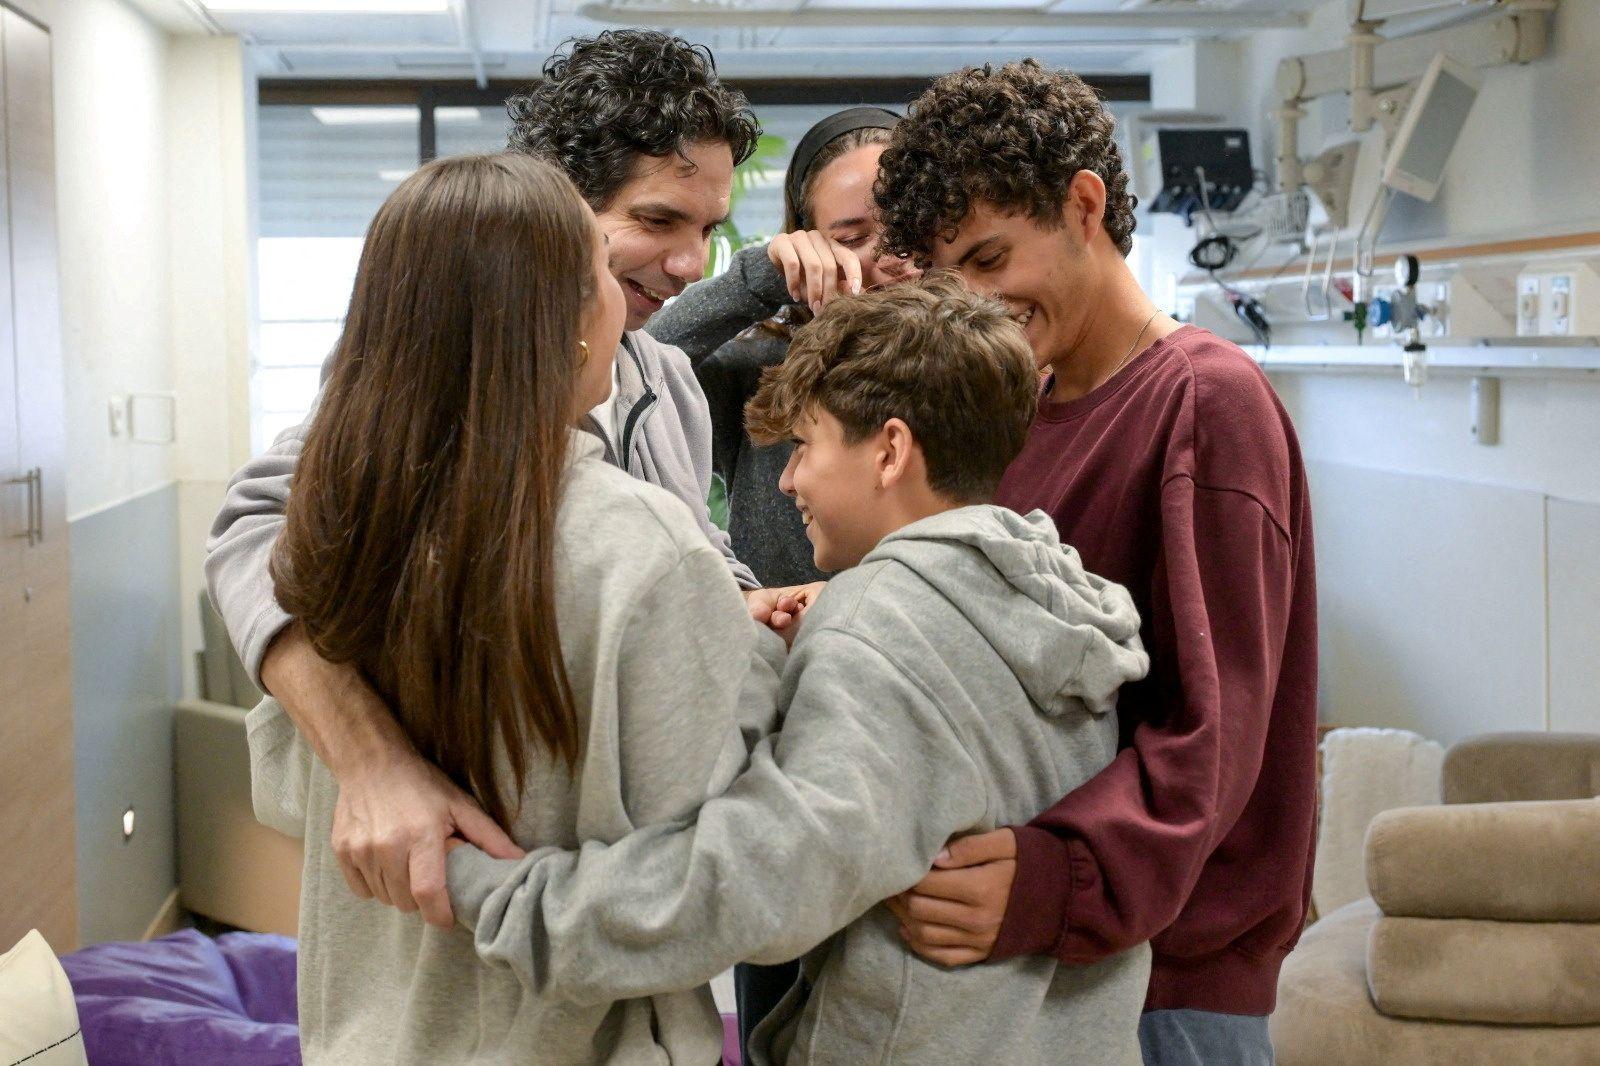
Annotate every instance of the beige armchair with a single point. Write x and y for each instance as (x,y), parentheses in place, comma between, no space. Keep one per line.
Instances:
(1481,941)
(231,868)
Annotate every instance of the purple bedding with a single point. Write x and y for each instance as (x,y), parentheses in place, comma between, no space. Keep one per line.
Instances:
(188,1000)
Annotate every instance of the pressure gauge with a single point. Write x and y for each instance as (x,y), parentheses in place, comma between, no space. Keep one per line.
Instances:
(1406,271)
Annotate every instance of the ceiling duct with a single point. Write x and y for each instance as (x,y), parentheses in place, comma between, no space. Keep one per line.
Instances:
(693,13)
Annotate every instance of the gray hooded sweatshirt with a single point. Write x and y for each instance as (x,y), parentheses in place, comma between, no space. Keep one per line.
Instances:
(672,683)
(963,677)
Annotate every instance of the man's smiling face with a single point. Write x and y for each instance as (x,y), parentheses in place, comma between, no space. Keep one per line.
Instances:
(659,224)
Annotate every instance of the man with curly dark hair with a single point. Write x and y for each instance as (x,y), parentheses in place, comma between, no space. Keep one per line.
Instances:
(642,126)
(639,122)
(1164,456)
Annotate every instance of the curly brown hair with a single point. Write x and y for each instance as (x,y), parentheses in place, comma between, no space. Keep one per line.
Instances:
(1013,137)
(604,101)
(948,362)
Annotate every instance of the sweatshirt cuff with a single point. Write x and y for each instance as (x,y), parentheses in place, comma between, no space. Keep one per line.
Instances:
(762,279)
(1036,913)
(471,877)
(269,621)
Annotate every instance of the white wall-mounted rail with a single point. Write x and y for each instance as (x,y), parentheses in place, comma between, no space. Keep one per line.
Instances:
(1503,359)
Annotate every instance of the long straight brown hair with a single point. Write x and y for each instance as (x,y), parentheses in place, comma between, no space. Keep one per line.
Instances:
(421,522)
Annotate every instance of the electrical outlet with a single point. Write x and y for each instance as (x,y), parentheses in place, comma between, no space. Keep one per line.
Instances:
(1561,305)
(1560,300)
(1528,306)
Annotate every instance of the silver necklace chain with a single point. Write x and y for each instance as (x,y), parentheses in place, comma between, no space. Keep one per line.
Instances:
(1135,345)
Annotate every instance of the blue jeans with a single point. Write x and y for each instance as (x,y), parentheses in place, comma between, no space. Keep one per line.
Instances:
(1204,1038)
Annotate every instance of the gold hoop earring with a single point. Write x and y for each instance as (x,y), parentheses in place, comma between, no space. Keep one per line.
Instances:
(585,346)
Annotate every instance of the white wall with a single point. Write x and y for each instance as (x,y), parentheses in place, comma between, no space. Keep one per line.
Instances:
(111,168)
(156,246)
(1460,584)
(156,206)
(211,111)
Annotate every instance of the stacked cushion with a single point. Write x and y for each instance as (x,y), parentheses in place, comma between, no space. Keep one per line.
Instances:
(1490,913)
(1465,970)
(1326,1018)
(1522,766)
(1514,862)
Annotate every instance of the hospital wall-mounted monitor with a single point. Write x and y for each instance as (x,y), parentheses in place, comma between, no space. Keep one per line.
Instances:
(1431,126)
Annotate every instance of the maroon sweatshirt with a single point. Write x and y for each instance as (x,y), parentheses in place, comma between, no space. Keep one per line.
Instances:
(1181,478)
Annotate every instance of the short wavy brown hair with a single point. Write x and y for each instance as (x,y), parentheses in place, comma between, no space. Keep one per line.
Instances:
(948,362)
(1013,137)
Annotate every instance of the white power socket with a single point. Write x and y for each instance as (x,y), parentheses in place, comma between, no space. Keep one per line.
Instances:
(1528,301)
(1559,301)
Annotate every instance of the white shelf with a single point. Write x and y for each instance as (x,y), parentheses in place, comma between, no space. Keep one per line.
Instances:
(1499,359)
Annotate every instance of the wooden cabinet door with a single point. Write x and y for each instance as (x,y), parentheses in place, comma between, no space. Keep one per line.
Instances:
(38,888)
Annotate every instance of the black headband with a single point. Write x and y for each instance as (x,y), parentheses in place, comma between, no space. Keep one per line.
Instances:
(824,133)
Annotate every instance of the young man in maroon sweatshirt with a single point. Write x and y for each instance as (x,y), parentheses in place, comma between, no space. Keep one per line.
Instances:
(1165,458)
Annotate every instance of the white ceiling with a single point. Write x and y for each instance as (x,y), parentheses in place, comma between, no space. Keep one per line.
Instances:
(509,39)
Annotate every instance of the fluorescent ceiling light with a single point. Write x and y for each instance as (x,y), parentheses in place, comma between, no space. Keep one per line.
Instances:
(329,7)
(365,116)
(396,176)
(377,116)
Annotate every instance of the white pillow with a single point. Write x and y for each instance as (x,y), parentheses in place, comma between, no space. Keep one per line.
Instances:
(38,1016)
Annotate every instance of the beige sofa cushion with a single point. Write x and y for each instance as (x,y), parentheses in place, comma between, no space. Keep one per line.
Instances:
(1509,861)
(1458,969)
(1325,1016)
(1501,767)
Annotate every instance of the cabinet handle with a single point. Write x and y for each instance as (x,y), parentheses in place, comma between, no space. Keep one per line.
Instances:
(34,480)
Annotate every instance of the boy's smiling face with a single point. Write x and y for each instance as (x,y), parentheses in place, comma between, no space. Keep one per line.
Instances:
(1041,273)
(836,486)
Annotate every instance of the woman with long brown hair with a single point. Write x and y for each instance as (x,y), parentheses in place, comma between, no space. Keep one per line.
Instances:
(539,620)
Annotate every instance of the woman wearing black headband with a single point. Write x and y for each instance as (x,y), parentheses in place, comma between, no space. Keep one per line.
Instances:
(829,245)
(827,201)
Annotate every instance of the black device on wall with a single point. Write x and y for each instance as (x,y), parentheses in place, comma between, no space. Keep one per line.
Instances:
(1221,155)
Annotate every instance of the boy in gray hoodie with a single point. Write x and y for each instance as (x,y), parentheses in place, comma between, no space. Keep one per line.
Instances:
(961,674)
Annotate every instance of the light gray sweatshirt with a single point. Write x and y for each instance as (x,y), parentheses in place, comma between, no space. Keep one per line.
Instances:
(665,439)
(666,669)
(963,677)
